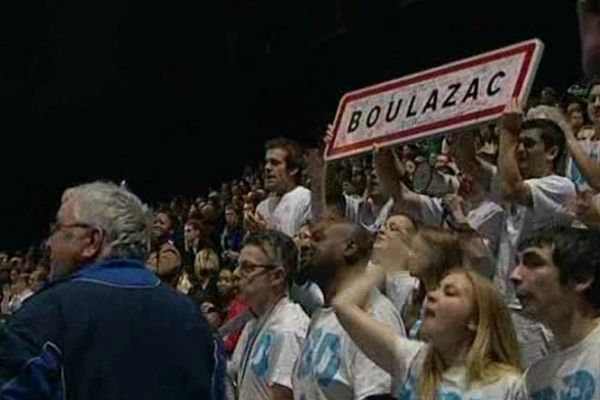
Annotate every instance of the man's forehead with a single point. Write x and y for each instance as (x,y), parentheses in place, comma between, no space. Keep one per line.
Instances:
(595,90)
(277,153)
(544,251)
(533,134)
(253,254)
(67,208)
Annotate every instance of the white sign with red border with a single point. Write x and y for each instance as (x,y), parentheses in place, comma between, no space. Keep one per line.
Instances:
(451,97)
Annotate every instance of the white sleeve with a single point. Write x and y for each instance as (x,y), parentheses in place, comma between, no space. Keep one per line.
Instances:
(550,195)
(406,352)
(489,224)
(285,351)
(304,212)
(431,210)
(518,392)
(369,379)
(352,208)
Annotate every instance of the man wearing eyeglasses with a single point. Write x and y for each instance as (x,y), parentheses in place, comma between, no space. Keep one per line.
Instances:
(270,343)
(105,327)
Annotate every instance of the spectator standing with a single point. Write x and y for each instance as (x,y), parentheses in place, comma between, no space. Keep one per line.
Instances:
(232,237)
(557,281)
(87,326)
(270,343)
(534,196)
(331,366)
(289,205)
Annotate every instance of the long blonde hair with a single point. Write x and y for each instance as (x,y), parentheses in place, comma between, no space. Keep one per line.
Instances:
(494,350)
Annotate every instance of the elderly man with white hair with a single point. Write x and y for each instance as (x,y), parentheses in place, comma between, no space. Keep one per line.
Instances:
(105,327)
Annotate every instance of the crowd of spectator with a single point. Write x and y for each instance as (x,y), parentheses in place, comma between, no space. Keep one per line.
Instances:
(438,269)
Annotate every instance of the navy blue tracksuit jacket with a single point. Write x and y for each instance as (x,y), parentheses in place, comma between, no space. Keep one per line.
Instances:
(110,331)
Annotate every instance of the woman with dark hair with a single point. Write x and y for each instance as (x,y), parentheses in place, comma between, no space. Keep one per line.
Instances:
(165,259)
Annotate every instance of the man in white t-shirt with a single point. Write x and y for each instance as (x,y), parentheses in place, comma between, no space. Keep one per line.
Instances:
(557,281)
(533,196)
(270,343)
(288,207)
(331,366)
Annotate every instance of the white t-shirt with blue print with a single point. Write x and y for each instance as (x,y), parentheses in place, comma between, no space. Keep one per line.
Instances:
(267,350)
(454,386)
(331,367)
(570,374)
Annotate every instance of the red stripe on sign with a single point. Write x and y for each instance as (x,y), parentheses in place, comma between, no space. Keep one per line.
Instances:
(524,68)
(365,144)
(528,49)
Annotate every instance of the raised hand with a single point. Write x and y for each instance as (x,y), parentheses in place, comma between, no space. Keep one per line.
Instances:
(512,118)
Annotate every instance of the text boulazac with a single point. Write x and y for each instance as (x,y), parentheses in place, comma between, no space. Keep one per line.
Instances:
(444,99)
(452,95)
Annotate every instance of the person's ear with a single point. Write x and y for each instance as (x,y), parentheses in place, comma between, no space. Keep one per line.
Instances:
(350,249)
(295,172)
(472,326)
(583,284)
(94,246)
(552,153)
(279,276)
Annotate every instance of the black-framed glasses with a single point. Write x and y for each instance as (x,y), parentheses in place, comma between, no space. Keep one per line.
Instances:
(57,226)
(246,268)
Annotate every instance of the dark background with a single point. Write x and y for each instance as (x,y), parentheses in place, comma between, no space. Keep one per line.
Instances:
(176,96)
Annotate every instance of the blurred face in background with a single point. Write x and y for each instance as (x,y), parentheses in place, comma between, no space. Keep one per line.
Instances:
(163,226)
(576,120)
(184,284)
(348,188)
(14,276)
(358,179)
(231,218)
(419,259)
(225,283)
(3,260)
(594,105)
(190,233)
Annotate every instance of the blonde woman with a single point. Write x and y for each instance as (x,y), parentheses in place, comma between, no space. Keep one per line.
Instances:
(206,268)
(471,350)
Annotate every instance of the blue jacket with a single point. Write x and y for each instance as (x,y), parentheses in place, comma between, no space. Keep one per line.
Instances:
(110,331)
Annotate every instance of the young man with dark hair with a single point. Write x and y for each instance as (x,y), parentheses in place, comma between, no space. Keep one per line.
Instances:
(534,195)
(288,206)
(558,284)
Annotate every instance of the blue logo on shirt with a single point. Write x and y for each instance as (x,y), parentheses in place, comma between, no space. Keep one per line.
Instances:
(409,392)
(321,357)
(260,358)
(577,386)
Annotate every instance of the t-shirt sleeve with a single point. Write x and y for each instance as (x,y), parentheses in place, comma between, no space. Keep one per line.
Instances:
(518,391)
(352,208)
(550,196)
(304,211)
(431,210)
(369,379)
(285,351)
(405,353)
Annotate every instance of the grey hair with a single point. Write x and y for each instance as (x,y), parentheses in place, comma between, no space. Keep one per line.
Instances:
(120,214)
